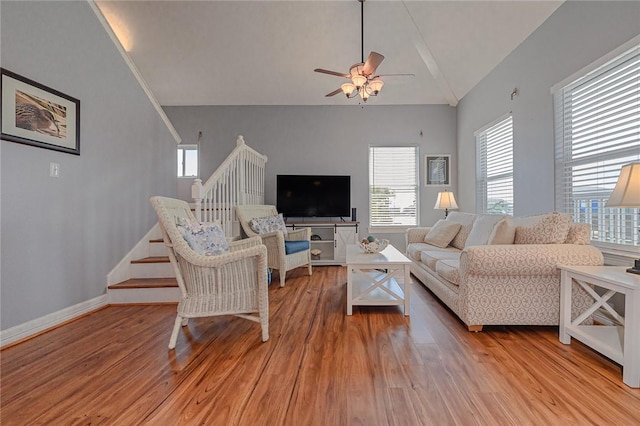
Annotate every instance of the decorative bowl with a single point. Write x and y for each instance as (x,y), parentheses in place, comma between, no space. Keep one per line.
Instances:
(375,246)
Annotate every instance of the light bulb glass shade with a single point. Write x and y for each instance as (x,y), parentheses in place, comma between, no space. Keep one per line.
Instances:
(627,190)
(347,88)
(446,200)
(358,80)
(363,93)
(376,84)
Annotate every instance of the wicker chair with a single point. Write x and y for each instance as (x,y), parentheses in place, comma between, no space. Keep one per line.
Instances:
(233,283)
(277,257)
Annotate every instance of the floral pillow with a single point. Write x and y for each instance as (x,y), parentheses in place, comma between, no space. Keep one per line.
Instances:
(206,238)
(264,225)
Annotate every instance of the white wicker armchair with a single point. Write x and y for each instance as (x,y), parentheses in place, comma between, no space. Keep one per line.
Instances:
(233,283)
(277,257)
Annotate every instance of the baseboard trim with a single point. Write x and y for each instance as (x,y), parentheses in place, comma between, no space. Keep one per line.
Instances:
(53,320)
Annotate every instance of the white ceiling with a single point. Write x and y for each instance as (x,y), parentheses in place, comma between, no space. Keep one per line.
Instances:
(264,52)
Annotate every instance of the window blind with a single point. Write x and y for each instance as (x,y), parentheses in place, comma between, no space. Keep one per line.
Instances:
(494,170)
(393,186)
(597,131)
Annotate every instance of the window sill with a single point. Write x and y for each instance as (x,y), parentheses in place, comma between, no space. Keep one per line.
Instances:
(389,229)
(616,254)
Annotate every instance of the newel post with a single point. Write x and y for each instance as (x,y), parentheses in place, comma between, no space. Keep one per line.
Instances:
(240,140)
(197,194)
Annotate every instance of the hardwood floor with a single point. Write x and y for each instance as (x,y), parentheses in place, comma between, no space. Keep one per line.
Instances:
(319,367)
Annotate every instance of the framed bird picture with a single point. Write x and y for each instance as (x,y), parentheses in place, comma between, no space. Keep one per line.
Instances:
(38,115)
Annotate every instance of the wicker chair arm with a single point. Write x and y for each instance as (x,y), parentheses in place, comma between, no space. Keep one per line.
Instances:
(301,234)
(246,243)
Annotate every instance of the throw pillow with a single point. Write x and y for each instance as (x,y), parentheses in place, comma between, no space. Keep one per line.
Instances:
(482,228)
(579,233)
(466,223)
(552,228)
(264,225)
(207,238)
(503,233)
(442,233)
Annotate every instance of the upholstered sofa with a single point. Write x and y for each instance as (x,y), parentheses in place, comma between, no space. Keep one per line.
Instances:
(499,270)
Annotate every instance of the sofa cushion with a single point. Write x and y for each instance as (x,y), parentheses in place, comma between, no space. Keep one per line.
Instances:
(431,257)
(504,232)
(449,270)
(203,238)
(291,247)
(579,233)
(414,250)
(551,228)
(466,223)
(482,228)
(442,233)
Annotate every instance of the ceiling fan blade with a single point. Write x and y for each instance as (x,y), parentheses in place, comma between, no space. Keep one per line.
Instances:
(339,74)
(335,92)
(373,61)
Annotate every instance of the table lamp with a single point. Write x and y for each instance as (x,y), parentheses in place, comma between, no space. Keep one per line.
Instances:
(626,194)
(446,201)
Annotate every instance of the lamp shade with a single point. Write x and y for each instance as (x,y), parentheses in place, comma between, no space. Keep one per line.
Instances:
(358,80)
(446,201)
(347,88)
(627,190)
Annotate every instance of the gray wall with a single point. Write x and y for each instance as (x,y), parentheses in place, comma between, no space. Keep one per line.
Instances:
(322,140)
(578,33)
(60,237)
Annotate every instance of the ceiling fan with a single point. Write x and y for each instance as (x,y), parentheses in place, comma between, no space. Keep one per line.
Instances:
(362,82)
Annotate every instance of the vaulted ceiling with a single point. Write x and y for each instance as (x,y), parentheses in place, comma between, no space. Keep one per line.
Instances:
(264,52)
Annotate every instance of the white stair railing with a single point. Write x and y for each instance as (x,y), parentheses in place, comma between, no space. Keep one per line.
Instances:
(239,180)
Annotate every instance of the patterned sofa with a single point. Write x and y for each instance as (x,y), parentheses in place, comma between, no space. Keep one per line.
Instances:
(499,270)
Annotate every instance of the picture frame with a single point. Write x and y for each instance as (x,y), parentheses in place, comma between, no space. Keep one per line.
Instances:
(437,170)
(37,115)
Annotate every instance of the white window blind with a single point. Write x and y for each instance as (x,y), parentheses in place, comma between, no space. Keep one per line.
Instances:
(187,160)
(393,186)
(597,131)
(494,168)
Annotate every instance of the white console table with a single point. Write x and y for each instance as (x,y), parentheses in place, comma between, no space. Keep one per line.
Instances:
(621,343)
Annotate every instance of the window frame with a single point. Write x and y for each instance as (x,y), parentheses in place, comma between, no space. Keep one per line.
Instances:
(615,253)
(188,147)
(482,179)
(388,229)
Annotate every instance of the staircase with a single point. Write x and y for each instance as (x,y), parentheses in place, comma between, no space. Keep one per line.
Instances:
(146,275)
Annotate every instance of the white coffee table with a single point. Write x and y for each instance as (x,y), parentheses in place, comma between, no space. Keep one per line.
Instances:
(380,279)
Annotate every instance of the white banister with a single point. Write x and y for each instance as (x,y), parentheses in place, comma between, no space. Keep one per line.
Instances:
(238,180)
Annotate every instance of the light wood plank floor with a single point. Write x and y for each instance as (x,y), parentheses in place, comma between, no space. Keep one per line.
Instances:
(319,367)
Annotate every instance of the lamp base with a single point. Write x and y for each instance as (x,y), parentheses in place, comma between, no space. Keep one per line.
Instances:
(636,268)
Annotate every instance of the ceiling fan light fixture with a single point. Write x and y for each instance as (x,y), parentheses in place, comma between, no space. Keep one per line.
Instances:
(375,85)
(364,93)
(358,80)
(347,89)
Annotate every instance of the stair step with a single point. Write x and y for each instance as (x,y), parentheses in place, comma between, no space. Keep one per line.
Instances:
(157,240)
(144,291)
(145,283)
(152,259)
(157,248)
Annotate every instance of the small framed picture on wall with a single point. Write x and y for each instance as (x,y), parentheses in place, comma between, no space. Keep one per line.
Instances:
(437,170)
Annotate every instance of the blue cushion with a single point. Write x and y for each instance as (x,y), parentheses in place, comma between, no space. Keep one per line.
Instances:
(291,247)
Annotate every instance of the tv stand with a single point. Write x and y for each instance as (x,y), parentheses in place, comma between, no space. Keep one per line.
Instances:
(334,236)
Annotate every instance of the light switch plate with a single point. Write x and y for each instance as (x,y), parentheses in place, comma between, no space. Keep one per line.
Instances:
(54,170)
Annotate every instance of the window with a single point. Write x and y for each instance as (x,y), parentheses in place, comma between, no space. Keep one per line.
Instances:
(393,186)
(597,131)
(187,160)
(494,168)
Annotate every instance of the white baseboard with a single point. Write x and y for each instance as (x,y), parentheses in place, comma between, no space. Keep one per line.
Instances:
(53,319)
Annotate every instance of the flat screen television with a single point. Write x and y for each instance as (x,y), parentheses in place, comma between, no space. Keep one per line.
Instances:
(313,196)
